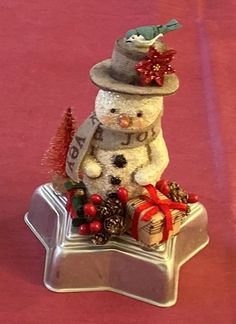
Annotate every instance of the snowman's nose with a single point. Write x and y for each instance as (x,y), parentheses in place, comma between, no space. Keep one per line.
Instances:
(124,121)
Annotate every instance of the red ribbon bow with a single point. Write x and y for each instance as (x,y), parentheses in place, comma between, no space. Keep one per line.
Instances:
(157,204)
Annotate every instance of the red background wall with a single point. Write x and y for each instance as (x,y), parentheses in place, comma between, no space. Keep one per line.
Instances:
(47,49)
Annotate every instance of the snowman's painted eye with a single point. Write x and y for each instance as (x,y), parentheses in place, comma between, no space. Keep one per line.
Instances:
(139,114)
(113,110)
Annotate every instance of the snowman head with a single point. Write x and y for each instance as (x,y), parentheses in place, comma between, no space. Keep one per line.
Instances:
(127,112)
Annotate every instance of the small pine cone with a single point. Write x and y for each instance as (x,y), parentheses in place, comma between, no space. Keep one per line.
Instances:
(110,207)
(100,238)
(177,194)
(114,225)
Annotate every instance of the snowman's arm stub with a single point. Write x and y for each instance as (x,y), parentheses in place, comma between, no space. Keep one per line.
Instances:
(159,160)
(91,167)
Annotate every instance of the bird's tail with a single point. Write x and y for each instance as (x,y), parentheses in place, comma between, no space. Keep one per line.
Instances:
(173,24)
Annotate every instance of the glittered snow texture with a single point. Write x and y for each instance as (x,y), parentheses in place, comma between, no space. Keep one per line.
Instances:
(142,110)
(144,164)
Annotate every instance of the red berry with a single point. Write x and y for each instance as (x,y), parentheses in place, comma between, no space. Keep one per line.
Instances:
(84,229)
(192,198)
(96,199)
(95,226)
(162,186)
(161,183)
(73,213)
(165,190)
(90,210)
(122,194)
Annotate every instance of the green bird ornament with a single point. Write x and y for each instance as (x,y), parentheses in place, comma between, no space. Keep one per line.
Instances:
(147,35)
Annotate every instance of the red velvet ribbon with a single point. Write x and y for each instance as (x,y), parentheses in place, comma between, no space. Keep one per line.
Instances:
(157,204)
(69,206)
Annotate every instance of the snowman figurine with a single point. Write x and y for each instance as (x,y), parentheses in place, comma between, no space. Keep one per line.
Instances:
(135,153)
(121,144)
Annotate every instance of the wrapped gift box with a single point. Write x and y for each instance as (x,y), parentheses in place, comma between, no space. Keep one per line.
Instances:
(151,231)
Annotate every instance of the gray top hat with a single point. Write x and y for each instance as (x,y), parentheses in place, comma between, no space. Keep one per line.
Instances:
(119,74)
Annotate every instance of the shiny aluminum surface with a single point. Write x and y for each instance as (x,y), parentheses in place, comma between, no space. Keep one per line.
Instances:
(122,265)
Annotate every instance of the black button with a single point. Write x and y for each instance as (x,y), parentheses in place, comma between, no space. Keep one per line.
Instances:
(120,161)
(115,180)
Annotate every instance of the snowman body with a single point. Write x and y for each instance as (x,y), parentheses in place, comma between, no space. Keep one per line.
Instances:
(130,150)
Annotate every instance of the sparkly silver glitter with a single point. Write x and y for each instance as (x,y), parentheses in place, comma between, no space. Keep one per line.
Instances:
(130,105)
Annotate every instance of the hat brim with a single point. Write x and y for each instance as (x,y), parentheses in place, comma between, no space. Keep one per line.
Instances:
(100,76)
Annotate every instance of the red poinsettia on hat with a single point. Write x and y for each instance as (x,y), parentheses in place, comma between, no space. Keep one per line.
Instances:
(154,66)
